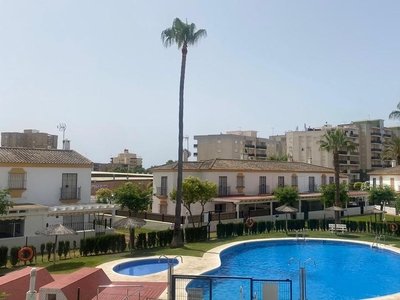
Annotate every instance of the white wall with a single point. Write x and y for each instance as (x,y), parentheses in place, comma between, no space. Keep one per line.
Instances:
(43,185)
(386,181)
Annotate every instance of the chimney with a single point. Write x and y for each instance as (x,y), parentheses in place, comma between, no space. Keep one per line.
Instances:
(394,163)
(309,161)
(66,144)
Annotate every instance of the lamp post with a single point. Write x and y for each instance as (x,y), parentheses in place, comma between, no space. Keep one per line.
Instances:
(383,204)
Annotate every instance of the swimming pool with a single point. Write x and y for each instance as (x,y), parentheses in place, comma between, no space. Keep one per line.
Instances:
(343,270)
(144,266)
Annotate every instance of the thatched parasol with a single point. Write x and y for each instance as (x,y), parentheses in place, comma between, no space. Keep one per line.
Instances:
(375,212)
(56,230)
(287,210)
(130,223)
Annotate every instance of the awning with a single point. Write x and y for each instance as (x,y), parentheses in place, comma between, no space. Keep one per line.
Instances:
(80,209)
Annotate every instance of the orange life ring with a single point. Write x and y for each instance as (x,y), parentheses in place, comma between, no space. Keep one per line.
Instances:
(249,222)
(25,254)
(393,227)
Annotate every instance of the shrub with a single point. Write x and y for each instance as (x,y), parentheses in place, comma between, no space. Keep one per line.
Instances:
(152,239)
(66,248)
(60,249)
(42,248)
(14,255)
(3,255)
(49,248)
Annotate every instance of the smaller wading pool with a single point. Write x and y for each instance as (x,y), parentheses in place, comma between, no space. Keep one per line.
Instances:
(144,266)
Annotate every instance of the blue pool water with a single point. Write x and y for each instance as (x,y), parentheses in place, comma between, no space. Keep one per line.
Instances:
(343,270)
(144,266)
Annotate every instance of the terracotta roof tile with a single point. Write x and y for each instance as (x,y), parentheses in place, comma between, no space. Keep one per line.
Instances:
(42,156)
(386,171)
(245,165)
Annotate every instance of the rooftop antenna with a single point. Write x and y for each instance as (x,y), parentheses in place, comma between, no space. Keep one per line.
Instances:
(62,127)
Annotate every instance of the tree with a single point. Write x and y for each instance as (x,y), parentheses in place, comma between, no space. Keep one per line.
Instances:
(104,195)
(274,157)
(333,141)
(379,194)
(133,197)
(391,150)
(395,114)
(195,191)
(286,195)
(5,202)
(328,194)
(136,199)
(183,35)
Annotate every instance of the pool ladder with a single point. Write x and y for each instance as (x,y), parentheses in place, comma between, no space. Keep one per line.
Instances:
(241,293)
(377,241)
(301,234)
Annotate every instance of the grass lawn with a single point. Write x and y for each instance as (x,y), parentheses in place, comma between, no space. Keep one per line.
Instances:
(193,249)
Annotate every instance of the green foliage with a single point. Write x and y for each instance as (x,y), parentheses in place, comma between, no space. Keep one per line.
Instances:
(328,194)
(274,157)
(133,197)
(60,249)
(103,244)
(152,239)
(66,248)
(391,149)
(197,234)
(49,248)
(14,255)
(357,185)
(378,194)
(42,248)
(365,186)
(5,202)
(194,191)
(3,255)
(164,237)
(286,195)
(141,242)
(104,195)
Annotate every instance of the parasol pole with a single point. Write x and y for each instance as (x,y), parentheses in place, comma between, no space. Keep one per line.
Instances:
(31,294)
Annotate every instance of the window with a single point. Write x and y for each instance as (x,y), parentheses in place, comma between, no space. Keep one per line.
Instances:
(331,179)
(240,180)
(380,181)
(262,188)
(163,190)
(69,187)
(374,182)
(281,181)
(323,179)
(220,208)
(223,189)
(11,228)
(17,179)
(311,184)
(295,180)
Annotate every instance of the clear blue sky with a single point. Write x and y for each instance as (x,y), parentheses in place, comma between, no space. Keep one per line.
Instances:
(100,68)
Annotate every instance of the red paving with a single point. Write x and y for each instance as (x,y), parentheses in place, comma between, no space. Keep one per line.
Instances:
(16,284)
(149,290)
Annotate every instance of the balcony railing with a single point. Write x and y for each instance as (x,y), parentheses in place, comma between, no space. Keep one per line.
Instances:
(261,147)
(263,189)
(343,162)
(249,145)
(376,142)
(376,149)
(353,135)
(375,133)
(387,135)
(162,191)
(376,165)
(342,152)
(70,192)
(376,157)
(354,162)
(261,155)
(224,190)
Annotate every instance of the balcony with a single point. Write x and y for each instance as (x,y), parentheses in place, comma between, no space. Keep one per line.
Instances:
(376,165)
(376,157)
(354,153)
(194,153)
(261,155)
(376,133)
(343,162)
(376,142)
(388,135)
(195,145)
(312,188)
(376,149)
(342,152)
(354,135)
(354,162)
(249,145)
(162,192)
(70,194)
(224,191)
(263,189)
(261,147)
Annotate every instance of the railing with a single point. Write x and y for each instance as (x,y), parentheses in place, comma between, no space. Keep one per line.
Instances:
(375,133)
(376,149)
(224,190)
(376,142)
(70,192)
(353,162)
(249,145)
(377,166)
(343,162)
(375,157)
(261,147)
(342,152)
(162,191)
(263,189)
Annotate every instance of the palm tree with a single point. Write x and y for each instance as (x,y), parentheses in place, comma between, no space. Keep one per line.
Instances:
(395,115)
(391,150)
(183,35)
(333,141)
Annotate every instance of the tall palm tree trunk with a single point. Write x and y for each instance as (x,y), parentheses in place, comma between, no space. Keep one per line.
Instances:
(337,183)
(177,236)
